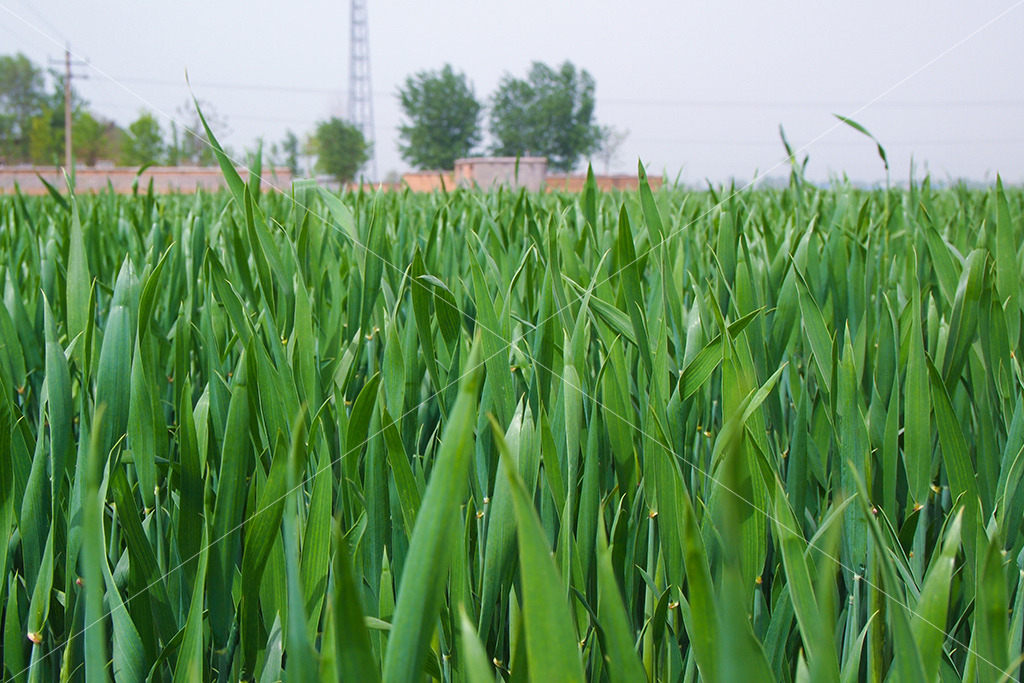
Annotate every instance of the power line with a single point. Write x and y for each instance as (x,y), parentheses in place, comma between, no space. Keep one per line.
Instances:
(829,143)
(909,104)
(43,20)
(234,117)
(224,85)
(652,140)
(690,103)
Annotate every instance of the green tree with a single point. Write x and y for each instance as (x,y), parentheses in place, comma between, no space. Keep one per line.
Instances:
(290,150)
(22,97)
(46,137)
(94,138)
(443,118)
(340,148)
(550,114)
(610,140)
(144,141)
(191,145)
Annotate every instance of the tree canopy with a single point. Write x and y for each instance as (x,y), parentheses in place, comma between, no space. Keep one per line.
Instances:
(22,98)
(32,118)
(550,113)
(191,145)
(341,149)
(443,118)
(144,143)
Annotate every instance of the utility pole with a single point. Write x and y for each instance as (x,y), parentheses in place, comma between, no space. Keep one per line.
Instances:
(360,89)
(67,104)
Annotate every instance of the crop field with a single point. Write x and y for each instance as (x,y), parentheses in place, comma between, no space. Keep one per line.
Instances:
(686,435)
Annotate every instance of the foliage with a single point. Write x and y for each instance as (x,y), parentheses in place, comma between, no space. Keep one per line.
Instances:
(32,119)
(669,436)
(290,150)
(46,137)
(340,148)
(611,140)
(22,97)
(443,119)
(190,143)
(144,141)
(95,138)
(548,114)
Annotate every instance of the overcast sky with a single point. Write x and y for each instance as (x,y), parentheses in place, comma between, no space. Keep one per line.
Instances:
(701,87)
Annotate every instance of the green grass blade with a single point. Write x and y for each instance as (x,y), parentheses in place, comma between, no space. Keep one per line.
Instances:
(929,620)
(262,531)
(618,646)
(77,282)
(430,547)
(551,641)
(917,451)
(630,284)
(962,483)
(990,615)
(815,632)
(228,508)
(478,668)
(58,397)
(703,607)
(92,558)
(191,655)
(1007,271)
(39,606)
(316,540)
(352,647)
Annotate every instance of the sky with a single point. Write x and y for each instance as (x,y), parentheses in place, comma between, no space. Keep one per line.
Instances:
(702,88)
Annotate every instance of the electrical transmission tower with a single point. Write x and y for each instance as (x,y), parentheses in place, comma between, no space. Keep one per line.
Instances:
(360,89)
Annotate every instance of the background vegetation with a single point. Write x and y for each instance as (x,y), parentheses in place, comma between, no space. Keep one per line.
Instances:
(444,119)
(550,113)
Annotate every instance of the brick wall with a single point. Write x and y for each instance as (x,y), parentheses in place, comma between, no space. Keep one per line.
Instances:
(574,183)
(165,179)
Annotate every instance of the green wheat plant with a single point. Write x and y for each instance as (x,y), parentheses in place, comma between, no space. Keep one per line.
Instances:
(726,435)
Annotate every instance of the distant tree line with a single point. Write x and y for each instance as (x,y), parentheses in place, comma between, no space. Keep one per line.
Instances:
(32,118)
(32,127)
(549,113)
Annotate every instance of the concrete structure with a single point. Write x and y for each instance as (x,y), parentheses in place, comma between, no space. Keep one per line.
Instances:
(491,172)
(165,179)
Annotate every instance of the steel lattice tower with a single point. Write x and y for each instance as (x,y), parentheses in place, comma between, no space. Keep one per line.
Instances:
(360,88)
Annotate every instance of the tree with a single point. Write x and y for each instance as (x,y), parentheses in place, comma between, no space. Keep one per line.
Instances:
(611,139)
(550,113)
(46,137)
(22,97)
(191,146)
(340,148)
(443,118)
(290,149)
(94,138)
(286,153)
(144,141)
